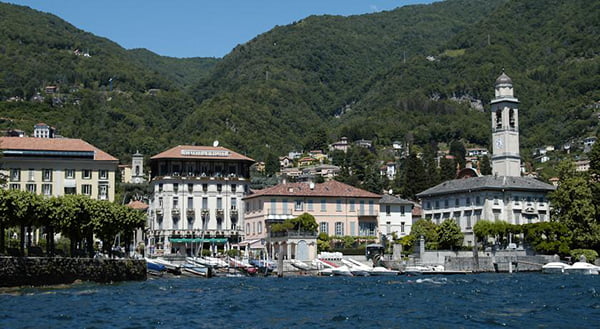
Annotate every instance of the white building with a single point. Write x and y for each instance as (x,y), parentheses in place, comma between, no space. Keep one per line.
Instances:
(395,215)
(505,196)
(197,199)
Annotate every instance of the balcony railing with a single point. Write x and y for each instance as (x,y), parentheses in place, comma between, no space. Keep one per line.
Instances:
(175,212)
(294,234)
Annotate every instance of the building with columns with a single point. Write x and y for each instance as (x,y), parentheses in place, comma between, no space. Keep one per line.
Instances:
(197,199)
(503,196)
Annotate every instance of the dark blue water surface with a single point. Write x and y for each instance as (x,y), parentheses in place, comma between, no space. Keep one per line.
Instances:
(522,300)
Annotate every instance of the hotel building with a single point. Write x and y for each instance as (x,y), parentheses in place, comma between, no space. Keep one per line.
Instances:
(197,199)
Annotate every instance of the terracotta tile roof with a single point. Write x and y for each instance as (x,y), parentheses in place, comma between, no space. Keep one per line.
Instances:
(328,189)
(138,205)
(53,144)
(200,152)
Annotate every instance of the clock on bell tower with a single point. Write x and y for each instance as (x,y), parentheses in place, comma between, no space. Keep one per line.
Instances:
(506,160)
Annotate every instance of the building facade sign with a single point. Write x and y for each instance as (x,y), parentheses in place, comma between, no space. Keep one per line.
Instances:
(210,153)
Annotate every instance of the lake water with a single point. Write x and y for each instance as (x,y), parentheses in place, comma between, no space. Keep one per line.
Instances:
(520,300)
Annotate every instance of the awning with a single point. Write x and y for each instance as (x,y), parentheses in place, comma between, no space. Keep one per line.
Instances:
(197,240)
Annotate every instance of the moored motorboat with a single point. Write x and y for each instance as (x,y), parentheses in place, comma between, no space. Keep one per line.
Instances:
(195,270)
(555,267)
(154,268)
(583,268)
(382,271)
(341,271)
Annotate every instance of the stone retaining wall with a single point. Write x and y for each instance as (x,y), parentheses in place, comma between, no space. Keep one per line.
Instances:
(37,271)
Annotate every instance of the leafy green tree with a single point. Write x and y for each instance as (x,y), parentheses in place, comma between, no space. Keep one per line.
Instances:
(483,229)
(272,164)
(572,205)
(457,148)
(427,229)
(548,237)
(449,235)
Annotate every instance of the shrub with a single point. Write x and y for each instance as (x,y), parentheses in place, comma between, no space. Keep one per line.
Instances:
(590,255)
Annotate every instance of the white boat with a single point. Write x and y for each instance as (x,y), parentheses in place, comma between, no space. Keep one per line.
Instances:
(341,271)
(555,267)
(583,268)
(356,268)
(382,271)
(300,265)
(418,270)
(195,270)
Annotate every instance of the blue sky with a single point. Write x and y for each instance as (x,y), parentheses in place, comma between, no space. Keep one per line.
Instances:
(195,28)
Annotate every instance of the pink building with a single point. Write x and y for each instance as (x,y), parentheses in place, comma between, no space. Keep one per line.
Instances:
(338,208)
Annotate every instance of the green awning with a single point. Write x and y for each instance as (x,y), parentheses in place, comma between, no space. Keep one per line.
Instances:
(197,240)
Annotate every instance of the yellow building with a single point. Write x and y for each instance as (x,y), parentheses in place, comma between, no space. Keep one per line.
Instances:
(58,166)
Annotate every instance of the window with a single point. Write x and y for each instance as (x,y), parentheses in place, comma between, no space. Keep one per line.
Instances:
(233,188)
(160,202)
(371,207)
(219,187)
(496,200)
(284,204)
(388,210)
(190,202)
(362,207)
(190,223)
(47,189)
(103,174)
(103,192)
(298,205)
(31,188)
(86,174)
(366,228)
(15,175)
(352,228)
(324,227)
(446,203)
(310,205)
(176,222)
(15,186)
(86,189)
(233,203)
(477,200)
(456,202)
(31,174)
(160,187)
(204,203)
(175,187)
(402,210)
(70,173)
(70,190)
(205,187)
(437,204)
(190,187)
(248,228)
(219,203)
(323,205)
(338,205)
(468,201)
(339,228)
(352,205)
(259,227)
(175,202)
(401,227)
(47,175)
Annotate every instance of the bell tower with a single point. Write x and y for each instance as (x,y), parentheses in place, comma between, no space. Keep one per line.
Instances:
(506,160)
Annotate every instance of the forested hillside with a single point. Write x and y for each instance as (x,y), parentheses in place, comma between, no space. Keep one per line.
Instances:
(411,74)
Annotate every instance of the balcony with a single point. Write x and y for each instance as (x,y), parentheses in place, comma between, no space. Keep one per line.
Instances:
(294,234)
(159,211)
(234,212)
(175,212)
(205,212)
(190,211)
(220,211)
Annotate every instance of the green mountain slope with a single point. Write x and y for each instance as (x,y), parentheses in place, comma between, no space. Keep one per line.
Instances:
(284,85)
(182,71)
(550,49)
